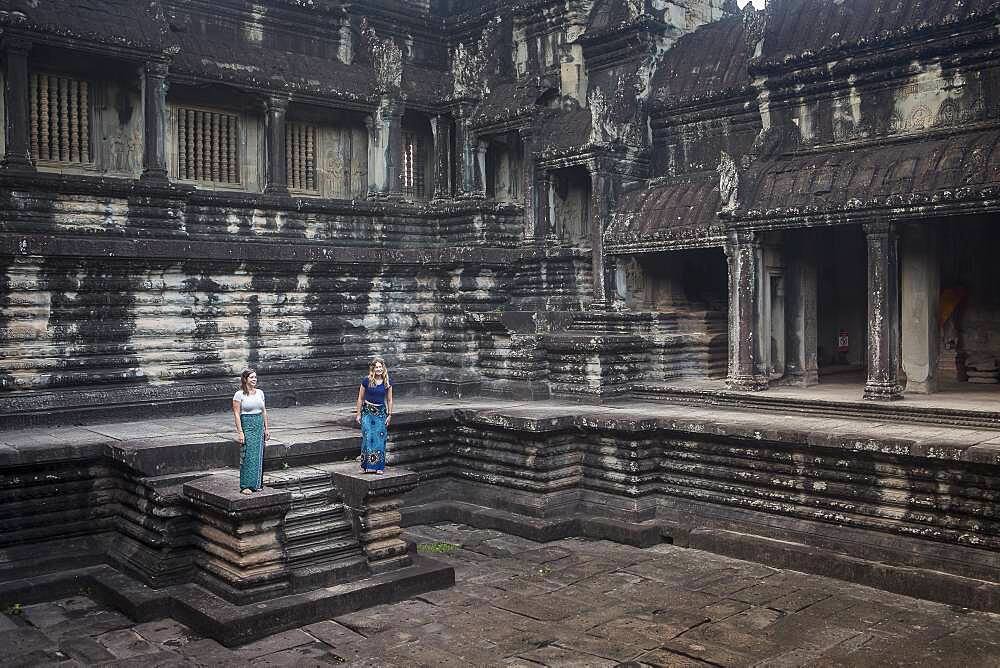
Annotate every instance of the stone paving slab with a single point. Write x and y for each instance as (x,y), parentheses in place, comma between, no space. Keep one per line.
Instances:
(612,605)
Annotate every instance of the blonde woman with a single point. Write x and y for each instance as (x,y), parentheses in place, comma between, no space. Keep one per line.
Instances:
(252,429)
(373,412)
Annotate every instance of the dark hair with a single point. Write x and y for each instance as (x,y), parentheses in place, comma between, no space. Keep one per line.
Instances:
(243,379)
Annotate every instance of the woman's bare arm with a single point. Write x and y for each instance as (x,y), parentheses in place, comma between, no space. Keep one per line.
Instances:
(357,408)
(236,415)
(388,405)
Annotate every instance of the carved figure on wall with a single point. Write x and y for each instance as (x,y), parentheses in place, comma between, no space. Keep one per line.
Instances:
(386,58)
(615,120)
(468,68)
(754,24)
(598,103)
(729,182)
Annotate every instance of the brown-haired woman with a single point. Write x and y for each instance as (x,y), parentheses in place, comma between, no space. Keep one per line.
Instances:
(252,429)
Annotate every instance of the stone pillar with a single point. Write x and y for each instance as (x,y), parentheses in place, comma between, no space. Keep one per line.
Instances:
(528,182)
(883,313)
(376,157)
(464,163)
(921,289)
(154,106)
(801,366)
(742,255)
(240,539)
(276,179)
(372,502)
(392,121)
(16,92)
(543,214)
(441,131)
(600,211)
(385,148)
(482,146)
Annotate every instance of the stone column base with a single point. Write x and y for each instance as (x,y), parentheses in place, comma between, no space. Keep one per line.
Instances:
(883,391)
(746,383)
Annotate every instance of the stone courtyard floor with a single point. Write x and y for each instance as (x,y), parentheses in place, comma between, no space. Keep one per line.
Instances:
(571,602)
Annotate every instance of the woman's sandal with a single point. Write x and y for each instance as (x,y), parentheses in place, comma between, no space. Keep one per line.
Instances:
(246,491)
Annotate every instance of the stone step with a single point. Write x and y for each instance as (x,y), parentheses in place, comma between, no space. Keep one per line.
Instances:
(321,553)
(322,512)
(313,530)
(896,411)
(314,576)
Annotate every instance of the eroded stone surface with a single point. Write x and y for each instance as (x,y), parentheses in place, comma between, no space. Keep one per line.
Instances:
(610,604)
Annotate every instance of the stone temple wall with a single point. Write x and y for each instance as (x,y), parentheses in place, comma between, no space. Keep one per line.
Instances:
(106,289)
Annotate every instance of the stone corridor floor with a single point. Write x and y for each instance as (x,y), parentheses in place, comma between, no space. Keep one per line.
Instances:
(572,602)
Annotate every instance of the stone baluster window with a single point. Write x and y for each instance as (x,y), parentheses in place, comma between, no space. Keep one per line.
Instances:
(208,146)
(412,165)
(60,119)
(300,156)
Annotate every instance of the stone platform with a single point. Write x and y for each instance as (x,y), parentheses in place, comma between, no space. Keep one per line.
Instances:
(892,503)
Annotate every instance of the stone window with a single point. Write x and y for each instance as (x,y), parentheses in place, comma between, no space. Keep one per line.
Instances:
(413,164)
(300,156)
(60,119)
(208,146)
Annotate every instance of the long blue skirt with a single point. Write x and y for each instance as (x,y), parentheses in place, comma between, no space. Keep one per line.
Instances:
(373,436)
(252,453)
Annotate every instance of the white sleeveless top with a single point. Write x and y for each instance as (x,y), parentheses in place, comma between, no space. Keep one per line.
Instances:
(250,404)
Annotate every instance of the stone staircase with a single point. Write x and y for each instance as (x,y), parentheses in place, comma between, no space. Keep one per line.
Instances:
(319,541)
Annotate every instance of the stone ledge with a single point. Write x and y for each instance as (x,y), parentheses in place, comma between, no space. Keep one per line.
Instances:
(910,581)
(231,624)
(222,492)
(639,534)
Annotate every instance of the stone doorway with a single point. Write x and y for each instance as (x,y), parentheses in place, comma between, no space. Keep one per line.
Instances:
(841,304)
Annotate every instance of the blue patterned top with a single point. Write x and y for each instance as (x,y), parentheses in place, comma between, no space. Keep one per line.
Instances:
(375,394)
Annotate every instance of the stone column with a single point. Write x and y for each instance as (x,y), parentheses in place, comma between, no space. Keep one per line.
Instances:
(441,131)
(482,146)
(921,290)
(16,92)
(742,254)
(883,313)
(464,163)
(392,122)
(543,214)
(801,365)
(376,157)
(154,106)
(600,210)
(276,179)
(372,503)
(529,193)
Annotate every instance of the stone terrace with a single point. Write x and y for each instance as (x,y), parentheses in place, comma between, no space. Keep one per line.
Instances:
(569,602)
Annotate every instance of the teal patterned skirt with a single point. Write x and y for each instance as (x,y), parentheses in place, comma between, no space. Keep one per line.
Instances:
(373,436)
(252,453)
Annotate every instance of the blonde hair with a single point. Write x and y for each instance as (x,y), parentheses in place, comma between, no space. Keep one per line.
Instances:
(371,371)
(243,379)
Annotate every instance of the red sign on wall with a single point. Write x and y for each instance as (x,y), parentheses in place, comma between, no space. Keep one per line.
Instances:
(843,341)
